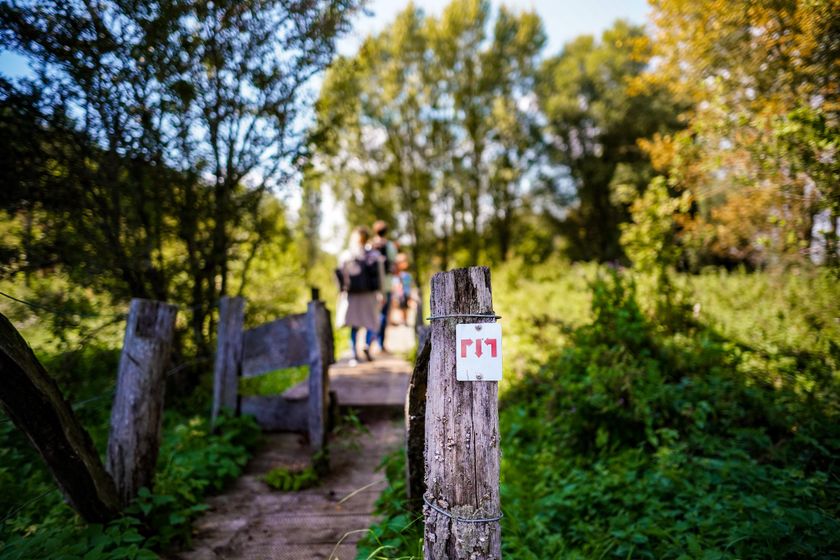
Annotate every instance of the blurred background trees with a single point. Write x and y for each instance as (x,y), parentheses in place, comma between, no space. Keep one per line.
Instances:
(481,147)
(159,148)
(140,155)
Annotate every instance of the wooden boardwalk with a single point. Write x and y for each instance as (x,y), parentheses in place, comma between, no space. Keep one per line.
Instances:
(252,521)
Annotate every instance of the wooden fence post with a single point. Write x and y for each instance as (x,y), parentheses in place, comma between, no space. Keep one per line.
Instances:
(319,339)
(35,404)
(421,330)
(227,367)
(462,431)
(415,427)
(137,412)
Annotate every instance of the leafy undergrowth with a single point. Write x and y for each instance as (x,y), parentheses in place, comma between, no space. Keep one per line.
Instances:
(193,463)
(662,439)
(667,433)
(291,480)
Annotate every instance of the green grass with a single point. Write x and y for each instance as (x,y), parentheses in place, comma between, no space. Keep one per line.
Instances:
(272,383)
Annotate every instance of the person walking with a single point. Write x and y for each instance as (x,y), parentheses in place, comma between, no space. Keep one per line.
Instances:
(388,250)
(361,278)
(403,282)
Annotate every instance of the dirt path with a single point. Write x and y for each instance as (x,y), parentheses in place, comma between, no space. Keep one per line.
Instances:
(251,521)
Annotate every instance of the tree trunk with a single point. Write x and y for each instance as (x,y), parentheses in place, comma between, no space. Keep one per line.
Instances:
(462,430)
(34,402)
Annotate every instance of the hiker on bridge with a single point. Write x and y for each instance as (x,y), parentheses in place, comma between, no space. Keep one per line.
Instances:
(388,250)
(361,277)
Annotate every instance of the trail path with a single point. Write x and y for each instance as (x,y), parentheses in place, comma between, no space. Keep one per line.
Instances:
(252,521)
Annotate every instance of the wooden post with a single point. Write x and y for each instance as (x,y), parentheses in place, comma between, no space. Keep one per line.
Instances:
(421,330)
(319,381)
(462,430)
(228,365)
(35,404)
(415,428)
(137,412)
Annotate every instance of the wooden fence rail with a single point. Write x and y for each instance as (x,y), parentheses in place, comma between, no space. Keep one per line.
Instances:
(296,340)
(35,404)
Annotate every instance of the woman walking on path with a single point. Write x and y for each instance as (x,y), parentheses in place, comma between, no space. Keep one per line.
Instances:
(361,278)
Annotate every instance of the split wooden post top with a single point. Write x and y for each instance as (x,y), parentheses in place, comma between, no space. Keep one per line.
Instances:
(137,412)
(462,430)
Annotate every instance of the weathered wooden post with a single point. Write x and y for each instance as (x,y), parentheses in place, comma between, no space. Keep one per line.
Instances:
(415,427)
(319,342)
(34,402)
(137,412)
(227,367)
(462,509)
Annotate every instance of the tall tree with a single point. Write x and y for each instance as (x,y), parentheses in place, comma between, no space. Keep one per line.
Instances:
(758,154)
(595,117)
(166,122)
(425,124)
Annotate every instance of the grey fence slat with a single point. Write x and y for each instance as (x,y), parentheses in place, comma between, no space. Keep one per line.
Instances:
(277,413)
(275,345)
(226,369)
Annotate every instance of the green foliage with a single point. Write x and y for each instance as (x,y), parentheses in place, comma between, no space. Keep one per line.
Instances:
(635,441)
(292,480)
(595,118)
(712,437)
(400,532)
(193,462)
(272,383)
(649,240)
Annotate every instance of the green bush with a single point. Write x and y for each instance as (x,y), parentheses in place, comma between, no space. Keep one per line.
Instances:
(712,432)
(193,462)
(651,444)
(292,480)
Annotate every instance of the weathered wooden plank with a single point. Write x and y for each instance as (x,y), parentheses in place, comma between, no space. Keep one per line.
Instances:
(415,426)
(137,412)
(229,348)
(462,430)
(319,382)
(275,345)
(277,413)
(35,404)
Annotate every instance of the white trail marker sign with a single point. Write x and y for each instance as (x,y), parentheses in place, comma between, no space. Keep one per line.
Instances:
(478,352)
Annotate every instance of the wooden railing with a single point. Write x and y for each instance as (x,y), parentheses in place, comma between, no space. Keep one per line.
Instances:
(296,340)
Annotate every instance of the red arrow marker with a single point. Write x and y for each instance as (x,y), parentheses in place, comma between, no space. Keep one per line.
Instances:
(464,344)
(491,342)
(477,347)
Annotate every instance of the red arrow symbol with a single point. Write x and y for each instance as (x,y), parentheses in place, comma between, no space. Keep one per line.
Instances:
(477,347)
(464,344)
(491,342)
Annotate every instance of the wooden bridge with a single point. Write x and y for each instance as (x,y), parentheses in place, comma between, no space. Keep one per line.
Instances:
(253,521)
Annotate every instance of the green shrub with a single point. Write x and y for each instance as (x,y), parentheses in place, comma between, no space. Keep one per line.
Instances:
(651,444)
(193,462)
(713,432)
